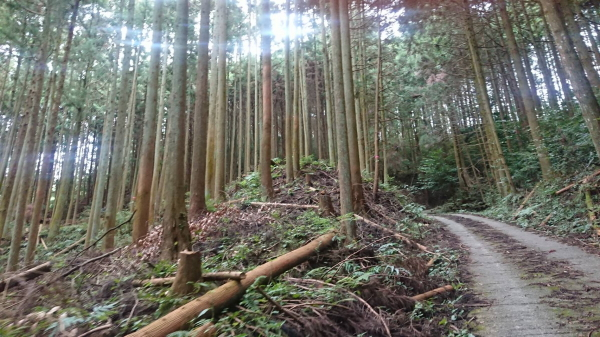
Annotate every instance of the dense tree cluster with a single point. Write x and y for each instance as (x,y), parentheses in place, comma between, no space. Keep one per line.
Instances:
(109,104)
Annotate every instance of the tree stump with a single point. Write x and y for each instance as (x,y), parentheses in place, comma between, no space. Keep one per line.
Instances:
(308,179)
(325,204)
(189,270)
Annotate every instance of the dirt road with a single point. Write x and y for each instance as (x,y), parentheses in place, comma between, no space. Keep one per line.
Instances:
(535,286)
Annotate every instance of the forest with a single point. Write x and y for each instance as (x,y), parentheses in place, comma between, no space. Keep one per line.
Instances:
(295,168)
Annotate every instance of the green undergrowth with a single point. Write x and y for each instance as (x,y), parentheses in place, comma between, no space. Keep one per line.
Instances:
(564,215)
(327,293)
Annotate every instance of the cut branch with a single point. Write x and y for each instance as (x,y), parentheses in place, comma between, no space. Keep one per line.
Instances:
(214,301)
(583,181)
(218,276)
(275,204)
(395,234)
(429,294)
(525,202)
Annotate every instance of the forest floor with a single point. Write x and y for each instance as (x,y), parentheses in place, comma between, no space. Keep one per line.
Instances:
(530,285)
(362,289)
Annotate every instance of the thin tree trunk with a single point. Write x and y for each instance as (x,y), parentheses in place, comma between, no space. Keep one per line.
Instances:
(377,108)
(289,139)
(176,232)
(581,84)
(198,182)
(503,177)
(526,93)
(577,41)
(221,111)
(357,187)
(116,164)
(344,174)
(265,153)
(155,193)
(329,108)
(146,168)
(25,163)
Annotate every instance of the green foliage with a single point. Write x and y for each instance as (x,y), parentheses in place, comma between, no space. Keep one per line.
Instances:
(438,172)
(164,268)
(569,214)
(249,187)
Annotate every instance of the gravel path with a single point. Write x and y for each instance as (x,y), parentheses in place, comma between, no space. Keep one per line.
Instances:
(535,286)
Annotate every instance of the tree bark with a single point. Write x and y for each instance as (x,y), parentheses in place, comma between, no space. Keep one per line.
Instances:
(346,53)
(265,153)
(502,174)
(28,156)
(146,167)
(176,232)
(581,85)
(189,270)
(116,164)
(344,170)
(49,149)
(198,179)
(221,111)
(526,93)
(577,40)
(232,290)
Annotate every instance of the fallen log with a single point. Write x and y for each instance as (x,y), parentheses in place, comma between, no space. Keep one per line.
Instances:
(394,233)
(68,249)
(215,300)
(218,276)
(524,202)
(234,201)
(27,275)
(583,181)
(432,293)
(275,204)
(546,220)
(224,276)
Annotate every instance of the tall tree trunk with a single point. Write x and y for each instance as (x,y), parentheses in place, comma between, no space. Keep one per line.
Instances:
(344,175)
(116,174)
(377,108)
(329,108)
(289,140)
(197,190)
(503,177)
(542,62)
(49,149)
(357,187)
(128,154)
(581,84)
(248,127)
(176,232)
(526,93)
(158,144)
(221,111)
(560,72)
(67,177)
(577,41)
(296,103)
(104,159)
(265,151)
(146,167)
(25,163)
